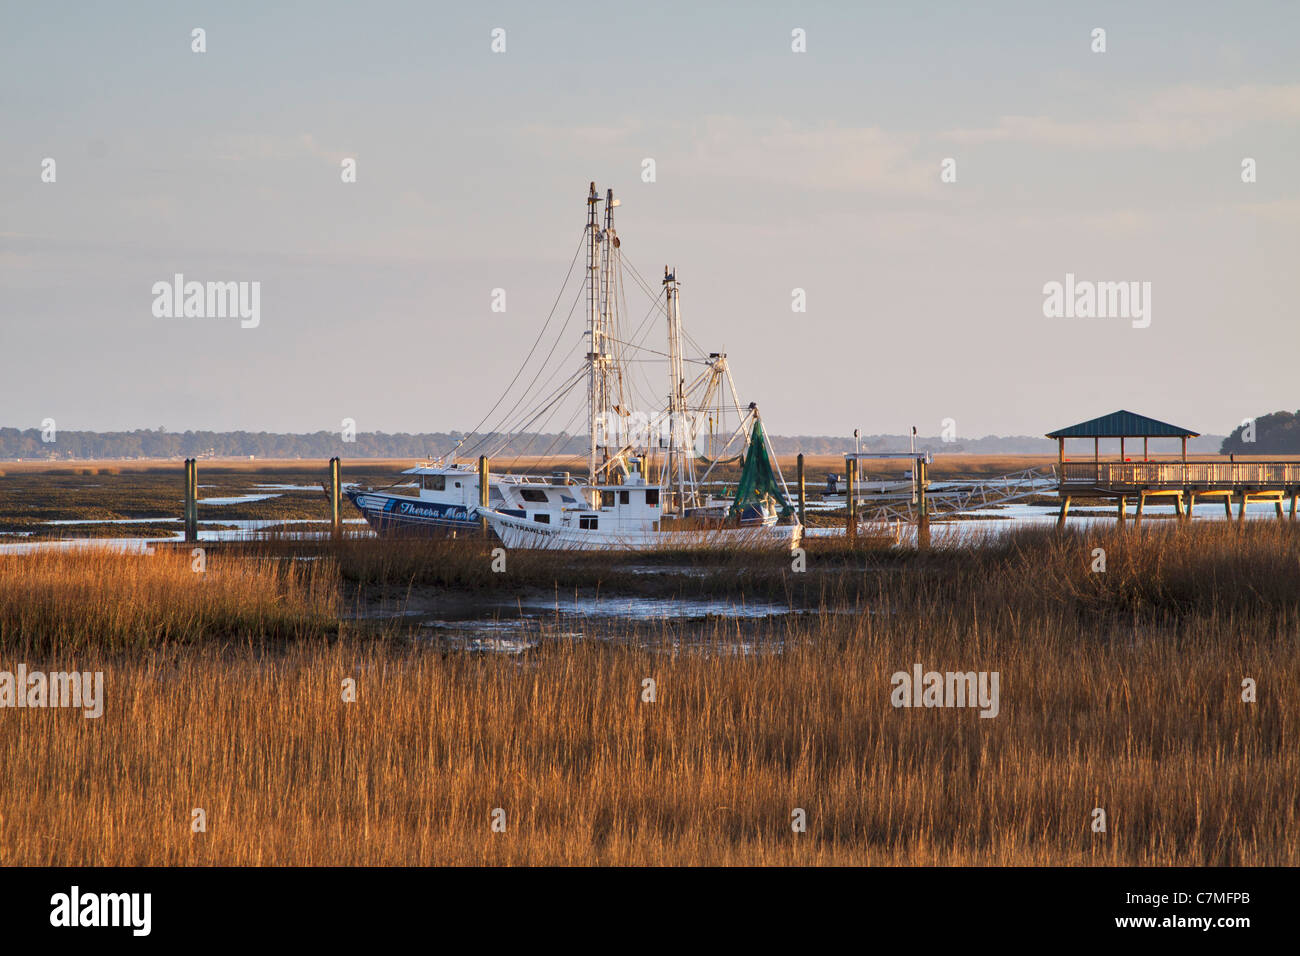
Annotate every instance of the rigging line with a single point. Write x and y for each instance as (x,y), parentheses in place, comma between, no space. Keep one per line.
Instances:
(693,361)
(556,397)
(521,427)
(537,341)
(636,394)
(503,439)
(563,433)
(645,287)
(554,372)
(637,338)
(500,427)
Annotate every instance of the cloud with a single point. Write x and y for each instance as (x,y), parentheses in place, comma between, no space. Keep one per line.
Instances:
(825,156)
(1182,117)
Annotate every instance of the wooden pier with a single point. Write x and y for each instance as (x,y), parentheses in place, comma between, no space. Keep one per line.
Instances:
(1181,482)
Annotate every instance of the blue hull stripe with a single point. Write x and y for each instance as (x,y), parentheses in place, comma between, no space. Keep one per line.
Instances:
(404,515)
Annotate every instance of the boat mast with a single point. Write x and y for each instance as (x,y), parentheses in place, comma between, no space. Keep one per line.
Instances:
(607,331)
(677,456)
(593,330)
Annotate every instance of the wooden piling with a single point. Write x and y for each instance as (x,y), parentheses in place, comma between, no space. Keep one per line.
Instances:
(483,493)
(851,499)
(922,508)
(1121,513)
(191,500)
(803,497)
(1065,510)
(336,499)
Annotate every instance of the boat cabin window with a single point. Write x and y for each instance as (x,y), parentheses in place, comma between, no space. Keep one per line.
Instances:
(541,518)
(435,482)
(534,495)
(494,493)
(606,498)
(624,497)
(588,522)
(652,497)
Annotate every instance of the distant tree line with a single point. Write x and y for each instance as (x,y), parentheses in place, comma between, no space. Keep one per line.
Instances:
(160,443)
(145,443)
(838,445)
(1274,434)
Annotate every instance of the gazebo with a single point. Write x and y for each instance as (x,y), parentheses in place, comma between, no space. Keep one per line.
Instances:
(1182,480)
(1122,425)
(1107,481)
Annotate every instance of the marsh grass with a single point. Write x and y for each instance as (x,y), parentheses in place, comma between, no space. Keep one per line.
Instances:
(57,601)
(1146,725)
(1119,690)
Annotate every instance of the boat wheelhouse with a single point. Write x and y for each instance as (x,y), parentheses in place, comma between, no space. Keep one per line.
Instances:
(442,500)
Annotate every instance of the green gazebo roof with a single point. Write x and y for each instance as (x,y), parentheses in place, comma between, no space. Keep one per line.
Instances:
(1123,424)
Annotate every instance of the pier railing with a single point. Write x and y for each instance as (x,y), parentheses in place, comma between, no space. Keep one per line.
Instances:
(1178,474)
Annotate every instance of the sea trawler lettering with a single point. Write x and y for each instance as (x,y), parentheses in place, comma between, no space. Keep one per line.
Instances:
(208,300)
(947,689)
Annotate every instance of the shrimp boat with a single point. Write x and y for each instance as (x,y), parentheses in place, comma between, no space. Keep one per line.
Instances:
(618,507)
(634,515)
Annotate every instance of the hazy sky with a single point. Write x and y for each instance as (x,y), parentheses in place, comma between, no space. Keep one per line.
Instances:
(775,170)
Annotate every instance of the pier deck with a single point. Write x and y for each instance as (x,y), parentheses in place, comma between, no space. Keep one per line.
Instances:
(1111,478)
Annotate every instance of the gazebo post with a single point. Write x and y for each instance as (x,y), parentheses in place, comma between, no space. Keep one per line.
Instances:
(1144,448)
(1121,448)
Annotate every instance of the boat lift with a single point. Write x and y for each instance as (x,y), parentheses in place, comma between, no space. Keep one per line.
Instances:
(920,481)
(917,500)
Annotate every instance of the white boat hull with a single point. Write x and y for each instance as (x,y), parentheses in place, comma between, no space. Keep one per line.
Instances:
(527,535)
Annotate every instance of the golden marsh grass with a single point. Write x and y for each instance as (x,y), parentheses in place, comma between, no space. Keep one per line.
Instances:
(1120,691)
